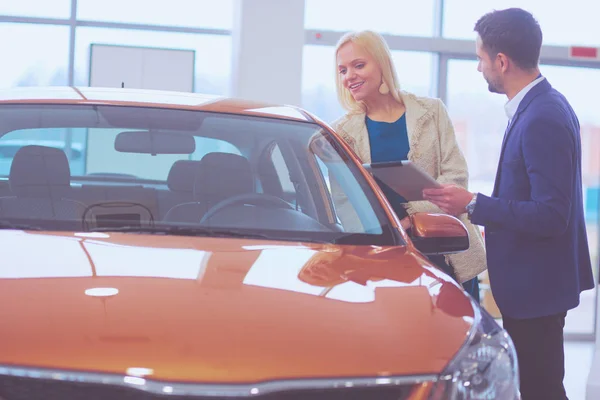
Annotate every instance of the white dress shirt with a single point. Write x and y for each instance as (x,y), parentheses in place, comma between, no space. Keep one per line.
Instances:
(512,105)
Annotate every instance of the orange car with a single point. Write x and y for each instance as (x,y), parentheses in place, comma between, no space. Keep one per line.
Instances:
(172,245)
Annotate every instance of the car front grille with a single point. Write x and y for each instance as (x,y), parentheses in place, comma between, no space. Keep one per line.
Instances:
(25,388)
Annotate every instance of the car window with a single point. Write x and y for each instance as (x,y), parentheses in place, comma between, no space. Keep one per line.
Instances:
(288,191)
(100,148)
(71,141)
(206,145)
(347,198)
(73,167)
(325,174)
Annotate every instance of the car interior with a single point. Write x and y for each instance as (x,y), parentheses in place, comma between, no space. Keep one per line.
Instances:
(267,178)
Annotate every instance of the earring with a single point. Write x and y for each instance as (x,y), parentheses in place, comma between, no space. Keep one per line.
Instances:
(384,88)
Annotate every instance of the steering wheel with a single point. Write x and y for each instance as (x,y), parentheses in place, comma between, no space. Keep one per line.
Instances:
(255,199)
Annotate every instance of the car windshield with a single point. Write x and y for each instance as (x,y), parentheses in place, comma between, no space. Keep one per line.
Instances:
(182,172)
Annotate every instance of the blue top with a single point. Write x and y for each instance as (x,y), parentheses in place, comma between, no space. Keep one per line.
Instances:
(389,142)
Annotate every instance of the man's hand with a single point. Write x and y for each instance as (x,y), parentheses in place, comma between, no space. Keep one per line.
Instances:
(451,199)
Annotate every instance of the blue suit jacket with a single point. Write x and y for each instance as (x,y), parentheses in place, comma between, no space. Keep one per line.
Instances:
(536,241)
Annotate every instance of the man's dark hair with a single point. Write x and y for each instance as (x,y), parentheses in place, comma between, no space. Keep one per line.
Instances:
(513,32)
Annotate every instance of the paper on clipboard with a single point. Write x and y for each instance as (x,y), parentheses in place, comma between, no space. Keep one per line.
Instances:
(404,177)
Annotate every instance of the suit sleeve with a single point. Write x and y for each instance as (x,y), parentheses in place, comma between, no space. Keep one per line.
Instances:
(548,149)
(453,166)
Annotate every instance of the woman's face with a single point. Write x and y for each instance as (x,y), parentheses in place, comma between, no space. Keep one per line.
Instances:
(359,72)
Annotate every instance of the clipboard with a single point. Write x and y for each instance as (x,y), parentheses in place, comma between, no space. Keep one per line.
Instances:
(403,177)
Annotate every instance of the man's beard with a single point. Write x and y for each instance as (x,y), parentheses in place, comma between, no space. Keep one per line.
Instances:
(494,87)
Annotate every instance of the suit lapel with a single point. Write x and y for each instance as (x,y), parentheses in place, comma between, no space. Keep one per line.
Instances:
(541,87)
(509,128)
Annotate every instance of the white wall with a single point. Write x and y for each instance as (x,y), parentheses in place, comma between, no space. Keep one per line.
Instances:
(593,381)
(267,44)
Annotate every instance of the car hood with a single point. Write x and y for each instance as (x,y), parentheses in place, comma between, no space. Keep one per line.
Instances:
(192,309)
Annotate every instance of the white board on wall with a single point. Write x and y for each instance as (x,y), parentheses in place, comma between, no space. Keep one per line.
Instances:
(136,68)
(141,67)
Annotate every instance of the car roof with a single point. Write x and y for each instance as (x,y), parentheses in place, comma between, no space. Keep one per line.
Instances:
(150,98)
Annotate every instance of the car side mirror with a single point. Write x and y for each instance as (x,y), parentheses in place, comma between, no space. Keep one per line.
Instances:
(438,234)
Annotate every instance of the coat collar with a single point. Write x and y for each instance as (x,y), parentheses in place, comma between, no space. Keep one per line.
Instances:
(542,87)
(513,104)
(418,112)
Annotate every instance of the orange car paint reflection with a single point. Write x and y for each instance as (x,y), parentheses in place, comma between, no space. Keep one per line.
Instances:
(437,225)
(214,310)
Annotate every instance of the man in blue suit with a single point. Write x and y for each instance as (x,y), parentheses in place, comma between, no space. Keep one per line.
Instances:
(537,249)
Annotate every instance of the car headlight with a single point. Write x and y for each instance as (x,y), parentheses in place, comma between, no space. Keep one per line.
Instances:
(485,367)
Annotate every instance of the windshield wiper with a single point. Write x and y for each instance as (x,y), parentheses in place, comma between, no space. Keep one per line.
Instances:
(183,231)
(10,225)
(208,232)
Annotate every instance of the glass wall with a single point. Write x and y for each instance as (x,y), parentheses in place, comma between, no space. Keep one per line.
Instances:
(39,57)
(36,8)
(42,53)
(179,13)
(397,17)
(575,24)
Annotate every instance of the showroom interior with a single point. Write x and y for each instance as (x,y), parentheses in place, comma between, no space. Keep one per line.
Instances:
(282,51)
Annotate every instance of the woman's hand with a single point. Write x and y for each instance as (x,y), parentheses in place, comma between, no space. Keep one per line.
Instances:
(406,224)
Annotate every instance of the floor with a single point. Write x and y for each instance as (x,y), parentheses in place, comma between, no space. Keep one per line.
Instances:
(578,354)
(578,360)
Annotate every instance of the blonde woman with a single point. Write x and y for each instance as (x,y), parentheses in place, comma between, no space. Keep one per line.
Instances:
(384,123)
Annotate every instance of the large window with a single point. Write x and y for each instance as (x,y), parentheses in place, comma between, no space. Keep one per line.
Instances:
(398,17)
(572,23)
(36,8)
(213,53)
(480,122)
(38,57)
(318,78)
(186,13)
(39,54)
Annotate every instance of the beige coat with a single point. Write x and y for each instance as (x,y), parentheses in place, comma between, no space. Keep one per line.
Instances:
(434,148)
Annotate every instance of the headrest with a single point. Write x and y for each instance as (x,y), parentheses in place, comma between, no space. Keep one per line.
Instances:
(38,171)
(223,175)
(182,176)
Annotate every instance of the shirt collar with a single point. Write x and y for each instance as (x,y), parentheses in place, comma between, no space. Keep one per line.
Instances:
(512,105)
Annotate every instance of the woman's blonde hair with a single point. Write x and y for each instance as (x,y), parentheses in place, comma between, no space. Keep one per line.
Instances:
(376,46)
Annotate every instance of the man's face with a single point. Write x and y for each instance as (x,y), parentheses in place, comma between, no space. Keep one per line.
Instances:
(489,68)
